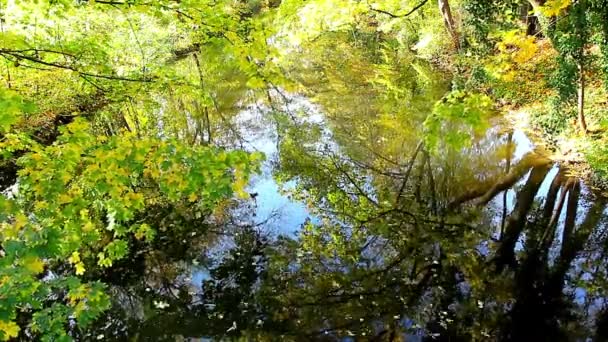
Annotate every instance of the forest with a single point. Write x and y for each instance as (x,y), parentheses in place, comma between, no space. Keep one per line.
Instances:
(303,170)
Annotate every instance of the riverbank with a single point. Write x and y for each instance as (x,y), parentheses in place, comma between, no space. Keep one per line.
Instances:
(526,83)
(583,154)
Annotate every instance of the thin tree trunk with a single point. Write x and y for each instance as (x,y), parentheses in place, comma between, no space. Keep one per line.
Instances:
(568,234)
(448,20)
(560,204)
(205,111)
(408,171)
(531,20)
(533,24)
(431,183)
(208,124)
(552,196)
(506,192)
(505,254)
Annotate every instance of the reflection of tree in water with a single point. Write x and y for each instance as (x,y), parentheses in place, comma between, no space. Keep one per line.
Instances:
(414,246)
(155,301)
(406,239)
(385,257)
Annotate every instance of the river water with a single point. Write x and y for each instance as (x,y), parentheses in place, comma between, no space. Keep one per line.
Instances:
(359,229)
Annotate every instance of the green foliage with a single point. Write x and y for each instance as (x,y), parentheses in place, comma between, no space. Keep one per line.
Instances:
(135,124)
(484,18)
(80,197)
(469,112)
(553,120)
(598,160)
(86,190)
(12,106)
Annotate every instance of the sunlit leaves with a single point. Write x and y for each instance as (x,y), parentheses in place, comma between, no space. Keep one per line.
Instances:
(74,259)
(12,106)
(469,112)
(81,196)
(554,7)
(8,329)
(33,264)
(515,50)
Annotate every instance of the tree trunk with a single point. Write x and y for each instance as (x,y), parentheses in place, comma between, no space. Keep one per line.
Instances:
(205,111)
(506,192)
(208,124)
(551,196)
(448,20)
(536,4)
(486,191)
(575,241)
(531,20)
(533,26)
(568,233)
(505,254)
(513,177)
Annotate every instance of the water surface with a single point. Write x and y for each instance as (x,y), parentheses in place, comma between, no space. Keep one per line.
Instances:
(357,229)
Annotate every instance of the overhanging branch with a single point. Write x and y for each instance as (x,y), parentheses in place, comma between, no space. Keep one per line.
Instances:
(21,56)
(392,15)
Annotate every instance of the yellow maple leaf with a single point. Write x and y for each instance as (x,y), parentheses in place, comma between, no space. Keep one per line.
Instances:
(64,198)
(74,258)
(80,268)
(20,221)
(66,177)
(9,329)
(554,7)
(33,264)
(41,205)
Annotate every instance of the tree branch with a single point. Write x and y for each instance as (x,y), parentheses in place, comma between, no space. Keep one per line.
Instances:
(18,55)
(408,171)
(394,16)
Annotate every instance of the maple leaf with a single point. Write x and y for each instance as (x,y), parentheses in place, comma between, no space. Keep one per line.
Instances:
(9,329)
(80,268)
(33,264)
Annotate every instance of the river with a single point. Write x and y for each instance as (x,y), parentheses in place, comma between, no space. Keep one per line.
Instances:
(362,227)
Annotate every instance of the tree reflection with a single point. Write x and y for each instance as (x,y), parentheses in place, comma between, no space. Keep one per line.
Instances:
(455,242)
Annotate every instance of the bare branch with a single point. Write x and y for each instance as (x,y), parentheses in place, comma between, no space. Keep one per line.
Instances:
(394,16)
(17,55)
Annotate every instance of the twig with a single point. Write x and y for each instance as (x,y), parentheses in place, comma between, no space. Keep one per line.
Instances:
(394,16)
(408,171)
(13,54)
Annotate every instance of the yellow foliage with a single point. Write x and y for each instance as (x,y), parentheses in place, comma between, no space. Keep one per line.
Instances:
(41,205)
(64,198)
(240,183)
(74,258)
(525,46)
(11,231)
(20,221)
(553,8)
(10,329)
(33,264)
(78,294)
(89,226)
(66,177)
(516,49)
(79,268)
